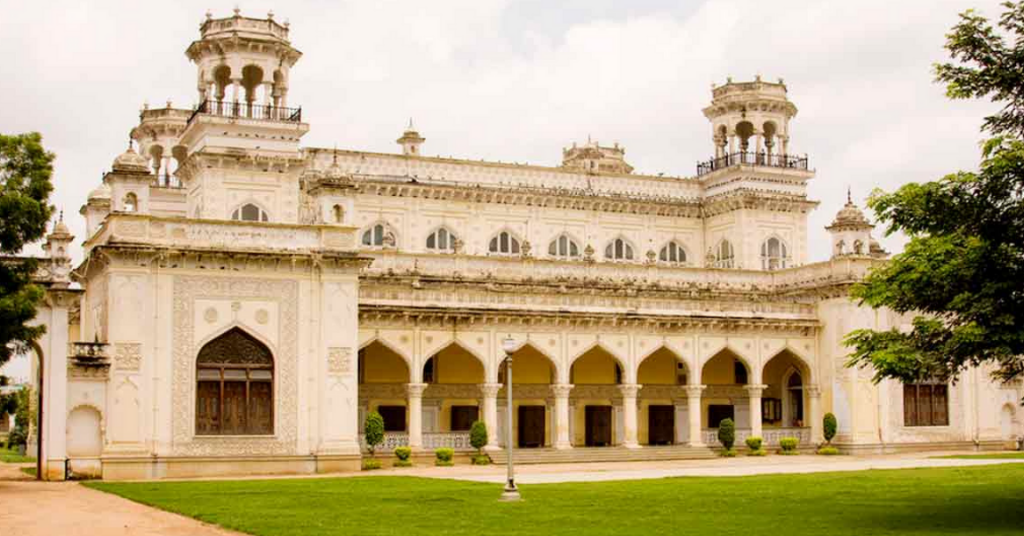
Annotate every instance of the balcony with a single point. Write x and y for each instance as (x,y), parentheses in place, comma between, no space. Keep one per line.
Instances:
(247,110)
(783,161)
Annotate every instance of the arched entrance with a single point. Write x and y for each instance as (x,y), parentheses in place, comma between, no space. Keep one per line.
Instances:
(596,405)
(451,401)
(785,404)
(662,402)
(726,374)
(235,386)
(533,373)
(383,376)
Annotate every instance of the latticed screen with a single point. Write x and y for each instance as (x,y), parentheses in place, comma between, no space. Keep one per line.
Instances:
(925,404)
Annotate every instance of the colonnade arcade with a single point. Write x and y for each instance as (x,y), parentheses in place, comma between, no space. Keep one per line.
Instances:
(592,397)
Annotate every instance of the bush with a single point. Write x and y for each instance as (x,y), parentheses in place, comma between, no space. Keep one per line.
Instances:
(730,453)
(371,464)
(788,445)
(830,424)
(758,452)
(403,454)
(444,457)
(727,433)
(478,436)
(828,451)
(17,437)
(374,430)
(754,443)
(481,459)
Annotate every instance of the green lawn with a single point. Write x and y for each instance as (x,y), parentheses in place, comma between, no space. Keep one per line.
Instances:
(989,456)
(11,456)
(971,500)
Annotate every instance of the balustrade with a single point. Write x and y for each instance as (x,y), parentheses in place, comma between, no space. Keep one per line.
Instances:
(431,441)
(770,436)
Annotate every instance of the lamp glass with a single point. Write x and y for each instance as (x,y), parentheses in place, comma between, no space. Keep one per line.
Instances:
(509,345)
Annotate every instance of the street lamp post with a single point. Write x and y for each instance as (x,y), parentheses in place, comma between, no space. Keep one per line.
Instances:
(511,492)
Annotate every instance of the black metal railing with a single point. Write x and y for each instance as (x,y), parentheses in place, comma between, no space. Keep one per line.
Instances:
(247,110)
(753,159)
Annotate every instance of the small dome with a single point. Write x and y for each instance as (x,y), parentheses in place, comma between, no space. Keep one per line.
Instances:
(101,192)
(130,162)
(850,217)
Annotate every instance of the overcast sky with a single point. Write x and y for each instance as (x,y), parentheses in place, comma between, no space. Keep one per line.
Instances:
(518,80)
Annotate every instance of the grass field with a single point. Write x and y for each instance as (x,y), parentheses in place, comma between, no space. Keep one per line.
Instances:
(11,456)
(971,500)
(989,456)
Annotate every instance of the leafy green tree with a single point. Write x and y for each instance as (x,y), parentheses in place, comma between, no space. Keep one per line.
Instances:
(830,425)
(962,273)
(478,436)
(25,172)
(374,431)
(727,433)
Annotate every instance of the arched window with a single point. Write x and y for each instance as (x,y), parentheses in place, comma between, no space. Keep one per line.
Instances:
(564,247)
(249,212)
(234,386)
(339,214)
(378,236)
(724,255)
(773,254)
(504,244)
(618,250)
(673,253)
(441,240)
(858,247)
(131,203)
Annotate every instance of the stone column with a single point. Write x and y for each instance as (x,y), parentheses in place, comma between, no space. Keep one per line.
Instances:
(693,393)
(489,391)
(415,396)
(754,397)
(629,391)
(814,414)
(561,392)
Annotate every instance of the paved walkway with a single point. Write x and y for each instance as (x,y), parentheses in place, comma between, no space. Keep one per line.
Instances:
(30,508)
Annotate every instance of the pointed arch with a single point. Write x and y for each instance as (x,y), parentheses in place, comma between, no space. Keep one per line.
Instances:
(775,253)
(654,358)
(379,234)
(437,364)
(673,252)
(390,347)
(624,373)
(620,248)
(505,242)
(565,246)
(726,374)
(235,385)
(723,254)
(521,358)
(441,239)
(250,211)
(798,361)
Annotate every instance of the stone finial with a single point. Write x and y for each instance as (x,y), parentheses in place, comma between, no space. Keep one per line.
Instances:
(237,10)
(209,14)
(270,15)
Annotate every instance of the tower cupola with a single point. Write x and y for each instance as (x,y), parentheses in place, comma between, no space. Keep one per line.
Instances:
(411,141)
(851,232)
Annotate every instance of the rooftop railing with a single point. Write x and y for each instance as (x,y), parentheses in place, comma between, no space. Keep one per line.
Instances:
(753,159)
(247,110)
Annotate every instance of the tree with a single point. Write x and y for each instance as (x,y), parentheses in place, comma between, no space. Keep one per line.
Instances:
(727,433)
(478,436)
(829,424)
(25,172)
(374,431)
(962,273)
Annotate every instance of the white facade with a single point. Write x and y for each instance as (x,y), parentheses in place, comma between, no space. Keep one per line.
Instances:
(367,281)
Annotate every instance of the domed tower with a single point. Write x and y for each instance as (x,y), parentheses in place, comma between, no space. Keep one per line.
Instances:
(750,119)
(851,232)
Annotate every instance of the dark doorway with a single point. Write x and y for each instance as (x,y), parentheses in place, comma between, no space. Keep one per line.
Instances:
(463,417)
(661,425)
(394,418)
(718,413)
(531,426)
(598,426)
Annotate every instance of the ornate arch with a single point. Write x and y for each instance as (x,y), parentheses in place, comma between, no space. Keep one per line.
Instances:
(628,374)
(551,361)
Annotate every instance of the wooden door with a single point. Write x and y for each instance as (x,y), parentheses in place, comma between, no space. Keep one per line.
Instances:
(661,425)
(394,418)
(531,426)
(463,417)
(598,426)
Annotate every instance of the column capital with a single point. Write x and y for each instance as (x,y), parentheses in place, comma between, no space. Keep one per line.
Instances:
(415,390)
(813,391)
(694,391)
(490,390)
(561,390)
(629,390)
(755,390)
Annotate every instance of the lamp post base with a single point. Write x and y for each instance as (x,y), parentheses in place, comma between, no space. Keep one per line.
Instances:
(510,494)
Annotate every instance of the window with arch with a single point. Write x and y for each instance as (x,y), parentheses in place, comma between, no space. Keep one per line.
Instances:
(504,244)
(249,212)
(378,236)
(234,386)
(724,255)
(564,247)
(672,253)
(441,240)
(618,250)
(338,212)
(774,254)
(131,203)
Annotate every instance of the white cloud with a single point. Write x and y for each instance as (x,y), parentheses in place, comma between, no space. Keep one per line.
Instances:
(518,80)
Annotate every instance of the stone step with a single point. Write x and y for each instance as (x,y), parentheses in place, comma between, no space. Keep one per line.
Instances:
(602,454)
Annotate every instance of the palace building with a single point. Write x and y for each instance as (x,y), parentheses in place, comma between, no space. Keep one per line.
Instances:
(244,301)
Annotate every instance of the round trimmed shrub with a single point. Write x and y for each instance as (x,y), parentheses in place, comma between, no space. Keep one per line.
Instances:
(788,444)
(727,433)
(374,431)
(481,459)
(829,424)
(478,436)
(828,451)
(403,454)
(444,456)
(371,464)
(729,453)
(754,443)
